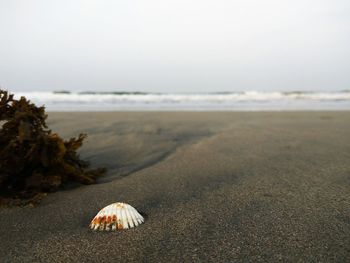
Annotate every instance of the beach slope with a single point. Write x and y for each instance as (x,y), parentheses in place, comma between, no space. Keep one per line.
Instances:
(214,187)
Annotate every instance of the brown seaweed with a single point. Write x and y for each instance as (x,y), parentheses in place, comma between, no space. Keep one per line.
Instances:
(33,159)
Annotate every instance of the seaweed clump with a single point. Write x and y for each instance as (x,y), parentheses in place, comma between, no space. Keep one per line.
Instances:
(33,159)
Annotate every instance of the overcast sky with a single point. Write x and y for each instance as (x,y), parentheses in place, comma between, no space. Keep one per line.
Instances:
(175,46)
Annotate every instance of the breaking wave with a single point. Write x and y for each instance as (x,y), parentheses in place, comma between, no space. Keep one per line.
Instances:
(248,100)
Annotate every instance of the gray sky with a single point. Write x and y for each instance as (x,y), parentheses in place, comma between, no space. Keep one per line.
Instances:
(175,46)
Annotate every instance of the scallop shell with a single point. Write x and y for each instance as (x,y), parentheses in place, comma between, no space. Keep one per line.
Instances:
(116,216)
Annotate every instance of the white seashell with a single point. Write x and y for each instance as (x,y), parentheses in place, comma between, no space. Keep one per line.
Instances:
(116,216)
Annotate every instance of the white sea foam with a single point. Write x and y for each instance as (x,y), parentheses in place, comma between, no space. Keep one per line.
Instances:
(250,100)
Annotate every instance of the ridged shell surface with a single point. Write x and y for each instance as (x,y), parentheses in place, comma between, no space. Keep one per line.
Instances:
(116,216)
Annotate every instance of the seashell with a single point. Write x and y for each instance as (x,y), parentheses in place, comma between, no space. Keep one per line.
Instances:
(116,216)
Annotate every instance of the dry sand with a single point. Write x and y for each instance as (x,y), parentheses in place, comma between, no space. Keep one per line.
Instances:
(217,187)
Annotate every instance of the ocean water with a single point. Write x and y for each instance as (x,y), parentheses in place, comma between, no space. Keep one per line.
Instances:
(226,101)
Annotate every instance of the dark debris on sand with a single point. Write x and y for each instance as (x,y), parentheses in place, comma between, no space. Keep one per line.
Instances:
(33,159)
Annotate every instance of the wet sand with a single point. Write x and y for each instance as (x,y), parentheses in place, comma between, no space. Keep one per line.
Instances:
(216,187)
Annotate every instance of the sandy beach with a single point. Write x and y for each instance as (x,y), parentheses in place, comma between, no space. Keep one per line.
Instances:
(214,186)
